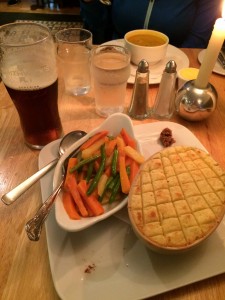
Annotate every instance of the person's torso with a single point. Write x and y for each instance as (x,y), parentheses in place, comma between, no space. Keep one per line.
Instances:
(174,18)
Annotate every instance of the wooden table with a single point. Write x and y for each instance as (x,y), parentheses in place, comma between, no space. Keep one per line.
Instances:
(24,265)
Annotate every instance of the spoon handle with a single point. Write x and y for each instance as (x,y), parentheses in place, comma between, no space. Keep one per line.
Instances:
(16,192)
(34,226)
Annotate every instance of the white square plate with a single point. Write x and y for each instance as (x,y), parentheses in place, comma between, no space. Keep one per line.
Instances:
(107,261)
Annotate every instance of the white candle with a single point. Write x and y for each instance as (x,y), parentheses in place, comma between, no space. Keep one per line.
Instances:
(211,53)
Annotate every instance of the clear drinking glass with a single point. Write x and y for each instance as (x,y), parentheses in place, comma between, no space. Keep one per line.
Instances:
(29,71)
(110,71)
(73,48)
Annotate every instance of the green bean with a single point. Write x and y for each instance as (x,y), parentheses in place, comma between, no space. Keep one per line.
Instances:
(99,173)
(116,185)
(90,171)
(128,170)
(79,158)
(110,179)
(114,161)
(115,189)
(113,181)
(84,162)
(111,137)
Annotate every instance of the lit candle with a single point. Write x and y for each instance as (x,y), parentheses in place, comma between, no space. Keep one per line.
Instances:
(212,52)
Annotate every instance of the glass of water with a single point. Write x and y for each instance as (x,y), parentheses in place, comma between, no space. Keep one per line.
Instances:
(73,49)
(110,71)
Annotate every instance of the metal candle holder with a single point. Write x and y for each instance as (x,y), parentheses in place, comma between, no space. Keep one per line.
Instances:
(195,104)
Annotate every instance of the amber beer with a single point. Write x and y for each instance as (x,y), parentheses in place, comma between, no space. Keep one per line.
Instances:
(39,115)
(29,71)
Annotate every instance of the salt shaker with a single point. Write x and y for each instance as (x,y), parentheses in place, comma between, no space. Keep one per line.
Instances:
(139,102)
(164,104)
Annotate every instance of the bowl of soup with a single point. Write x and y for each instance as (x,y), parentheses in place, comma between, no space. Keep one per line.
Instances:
(147,44)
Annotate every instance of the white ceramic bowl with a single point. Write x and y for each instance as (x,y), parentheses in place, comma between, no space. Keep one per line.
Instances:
(152,54)
(171,208)
(114,124)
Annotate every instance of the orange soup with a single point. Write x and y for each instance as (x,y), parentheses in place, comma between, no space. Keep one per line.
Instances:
(146,40)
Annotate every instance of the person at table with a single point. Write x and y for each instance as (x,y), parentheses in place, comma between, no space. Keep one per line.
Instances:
(187,23)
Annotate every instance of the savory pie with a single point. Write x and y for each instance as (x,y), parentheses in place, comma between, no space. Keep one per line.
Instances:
(177,198)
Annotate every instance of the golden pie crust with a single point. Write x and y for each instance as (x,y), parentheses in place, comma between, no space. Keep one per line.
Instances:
(178,198)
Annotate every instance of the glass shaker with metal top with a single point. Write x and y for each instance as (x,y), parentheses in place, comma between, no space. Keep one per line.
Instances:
(164,104)
(139,102)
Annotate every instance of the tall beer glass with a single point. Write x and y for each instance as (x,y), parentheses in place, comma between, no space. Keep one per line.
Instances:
(29,72)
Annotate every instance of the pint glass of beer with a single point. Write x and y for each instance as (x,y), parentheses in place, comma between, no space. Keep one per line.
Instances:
(29,71)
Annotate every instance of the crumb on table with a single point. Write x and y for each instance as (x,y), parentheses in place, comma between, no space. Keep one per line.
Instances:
(89,268)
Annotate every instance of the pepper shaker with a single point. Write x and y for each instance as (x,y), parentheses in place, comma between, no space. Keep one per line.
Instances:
(164,105)
(139,102)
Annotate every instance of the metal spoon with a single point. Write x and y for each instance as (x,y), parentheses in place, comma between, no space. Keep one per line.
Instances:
(34,226)
(65,143)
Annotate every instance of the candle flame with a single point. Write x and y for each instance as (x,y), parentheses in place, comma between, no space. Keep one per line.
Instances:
(223,10)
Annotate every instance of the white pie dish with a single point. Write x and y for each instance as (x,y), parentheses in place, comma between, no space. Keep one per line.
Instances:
(113,124)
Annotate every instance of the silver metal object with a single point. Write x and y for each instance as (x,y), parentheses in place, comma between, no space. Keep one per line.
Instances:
(164,103)
(194,104)
(221,58)
(16,192)
(65,143)
(139,102)
(106,2)
(34,226)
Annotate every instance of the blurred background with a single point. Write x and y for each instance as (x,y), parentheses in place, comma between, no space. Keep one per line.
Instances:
(56,14)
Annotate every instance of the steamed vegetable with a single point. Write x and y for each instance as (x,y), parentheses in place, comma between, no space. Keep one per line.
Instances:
(102,173)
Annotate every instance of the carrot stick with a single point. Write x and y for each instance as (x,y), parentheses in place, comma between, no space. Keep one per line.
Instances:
(120,142)
(108,161)
(125,182)
(124,179)
(90,212)
(81,175)
(134,154)
(94,148)
(129,141)
(108,171)
(71,163)
(91,200)
(101,184)
(93,139)
(134,167)
(69,205)
(96,165)
(109,147)
(73,187)
(128,160)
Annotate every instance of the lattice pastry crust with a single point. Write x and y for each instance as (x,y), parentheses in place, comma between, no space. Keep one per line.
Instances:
(177,198)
